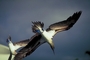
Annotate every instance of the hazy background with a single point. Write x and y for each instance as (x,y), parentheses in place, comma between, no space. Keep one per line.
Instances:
(16,17)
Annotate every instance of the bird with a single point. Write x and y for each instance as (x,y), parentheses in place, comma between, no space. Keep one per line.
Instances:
(14,46)
(11,48)
(40,35)
(53,29)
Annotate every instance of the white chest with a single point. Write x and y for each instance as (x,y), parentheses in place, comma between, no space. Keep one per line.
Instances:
(48,38)
(49,34)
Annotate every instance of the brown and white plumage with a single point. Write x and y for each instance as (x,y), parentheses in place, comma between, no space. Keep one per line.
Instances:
(33,44)
(14,46)
(64,25)
(55,28)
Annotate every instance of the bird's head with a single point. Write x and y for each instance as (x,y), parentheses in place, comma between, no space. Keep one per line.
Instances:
(37,27)
(8,39)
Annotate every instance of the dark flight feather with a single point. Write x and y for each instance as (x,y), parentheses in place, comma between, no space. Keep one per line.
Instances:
(29,48)
(66,24)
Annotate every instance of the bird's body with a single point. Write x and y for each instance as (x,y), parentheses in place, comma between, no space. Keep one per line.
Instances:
(48,38)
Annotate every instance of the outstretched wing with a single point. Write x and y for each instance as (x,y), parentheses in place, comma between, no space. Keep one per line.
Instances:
(64,25)
(22,43)
(30,48)
(19,44)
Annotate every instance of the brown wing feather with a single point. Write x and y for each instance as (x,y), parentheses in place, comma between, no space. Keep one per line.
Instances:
(66,24)
(30,48)
(22,43)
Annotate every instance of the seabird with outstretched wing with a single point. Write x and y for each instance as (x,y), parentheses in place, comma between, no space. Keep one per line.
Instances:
(48,34)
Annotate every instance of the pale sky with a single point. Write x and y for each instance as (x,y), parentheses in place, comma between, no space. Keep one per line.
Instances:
(16,17)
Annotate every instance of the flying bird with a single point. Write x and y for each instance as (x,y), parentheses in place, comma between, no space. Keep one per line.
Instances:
(11,48)
(48,34)
(42,36)
(14,46)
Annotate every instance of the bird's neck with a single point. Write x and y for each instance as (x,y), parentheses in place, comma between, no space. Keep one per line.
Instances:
(41,31)
(12,47)
(10,43)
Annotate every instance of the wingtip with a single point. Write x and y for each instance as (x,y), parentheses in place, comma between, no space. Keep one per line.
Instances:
(79,12)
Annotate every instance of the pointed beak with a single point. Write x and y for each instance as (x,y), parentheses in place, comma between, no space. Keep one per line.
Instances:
(52,46)
(8,40)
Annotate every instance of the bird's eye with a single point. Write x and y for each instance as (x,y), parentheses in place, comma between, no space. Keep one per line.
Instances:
(38,31)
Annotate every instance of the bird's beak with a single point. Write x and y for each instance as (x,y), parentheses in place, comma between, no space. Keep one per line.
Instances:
(52,47)
(50,42)
(7,40)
